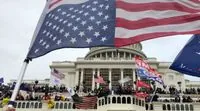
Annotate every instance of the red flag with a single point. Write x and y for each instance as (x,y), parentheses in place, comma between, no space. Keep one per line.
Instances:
(141,94)
(142,84)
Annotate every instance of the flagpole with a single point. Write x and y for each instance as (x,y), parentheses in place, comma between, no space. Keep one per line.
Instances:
(19,81)
(152,97)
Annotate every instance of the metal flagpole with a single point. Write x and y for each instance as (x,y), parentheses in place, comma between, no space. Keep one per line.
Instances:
(152,97)
(19,81)
(154,93)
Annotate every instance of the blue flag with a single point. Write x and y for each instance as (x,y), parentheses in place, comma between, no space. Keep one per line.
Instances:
(1,80)
(188,59)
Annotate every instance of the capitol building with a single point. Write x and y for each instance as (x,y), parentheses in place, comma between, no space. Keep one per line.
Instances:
(114,64)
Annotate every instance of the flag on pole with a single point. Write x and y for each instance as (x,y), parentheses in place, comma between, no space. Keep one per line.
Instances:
(56,77)
(88,102)
(188,59)
(91,23)
(142,84)
(145,71)
(124,80)
(74,96)
(141,72)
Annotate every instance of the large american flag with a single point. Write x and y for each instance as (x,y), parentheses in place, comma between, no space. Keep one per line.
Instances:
(90,23)
(88,102)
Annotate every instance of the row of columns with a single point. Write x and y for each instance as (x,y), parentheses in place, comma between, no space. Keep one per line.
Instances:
(112,55)
(98,73)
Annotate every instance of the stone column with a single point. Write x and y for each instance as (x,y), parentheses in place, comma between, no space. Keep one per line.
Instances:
(106,55)
(110,79)
(98,73)
(122,75)
(112,54)
(134,79)
(93,83)
(118,55)
(130,56)
(101,55)
(81,80)
(124,55)
(76,77)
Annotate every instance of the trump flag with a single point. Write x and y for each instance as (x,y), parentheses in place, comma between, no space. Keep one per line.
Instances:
(113,23)
(188,59)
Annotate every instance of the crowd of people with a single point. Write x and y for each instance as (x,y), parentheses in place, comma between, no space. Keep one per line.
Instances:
(37,92)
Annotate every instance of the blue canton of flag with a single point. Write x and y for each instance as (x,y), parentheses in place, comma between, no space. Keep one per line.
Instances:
(187,61)
(86,24)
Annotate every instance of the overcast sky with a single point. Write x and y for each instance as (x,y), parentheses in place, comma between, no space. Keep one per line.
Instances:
(18,19)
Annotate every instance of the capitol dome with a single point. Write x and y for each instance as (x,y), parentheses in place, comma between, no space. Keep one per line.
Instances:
(126,52)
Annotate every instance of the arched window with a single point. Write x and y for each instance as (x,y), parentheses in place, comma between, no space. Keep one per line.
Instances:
(177,107)
(65,106)
(19,105)
(151,106)
(129,100)
(123,100)
(191,107)
(103,102)
(164,107)
(61,105)
(57,105)
(173,107)
(32,105)
(118,99)
(23,105)
(113,99)
(70,106)
(140,103)
(36,105)
(27,105)
(136,101)
(40,105)
(182,107)
(186,107)
(168,107)
(99,102)
(133,100)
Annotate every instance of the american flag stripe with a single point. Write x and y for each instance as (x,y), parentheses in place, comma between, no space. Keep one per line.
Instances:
(149,22)
(155,6)
(88,103)
(54,2)
(196,1)
(186,2)
(121,41)
(149,14)
(172,28)
(138,20)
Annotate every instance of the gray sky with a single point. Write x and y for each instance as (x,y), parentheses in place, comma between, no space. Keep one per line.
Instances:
(18,19)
